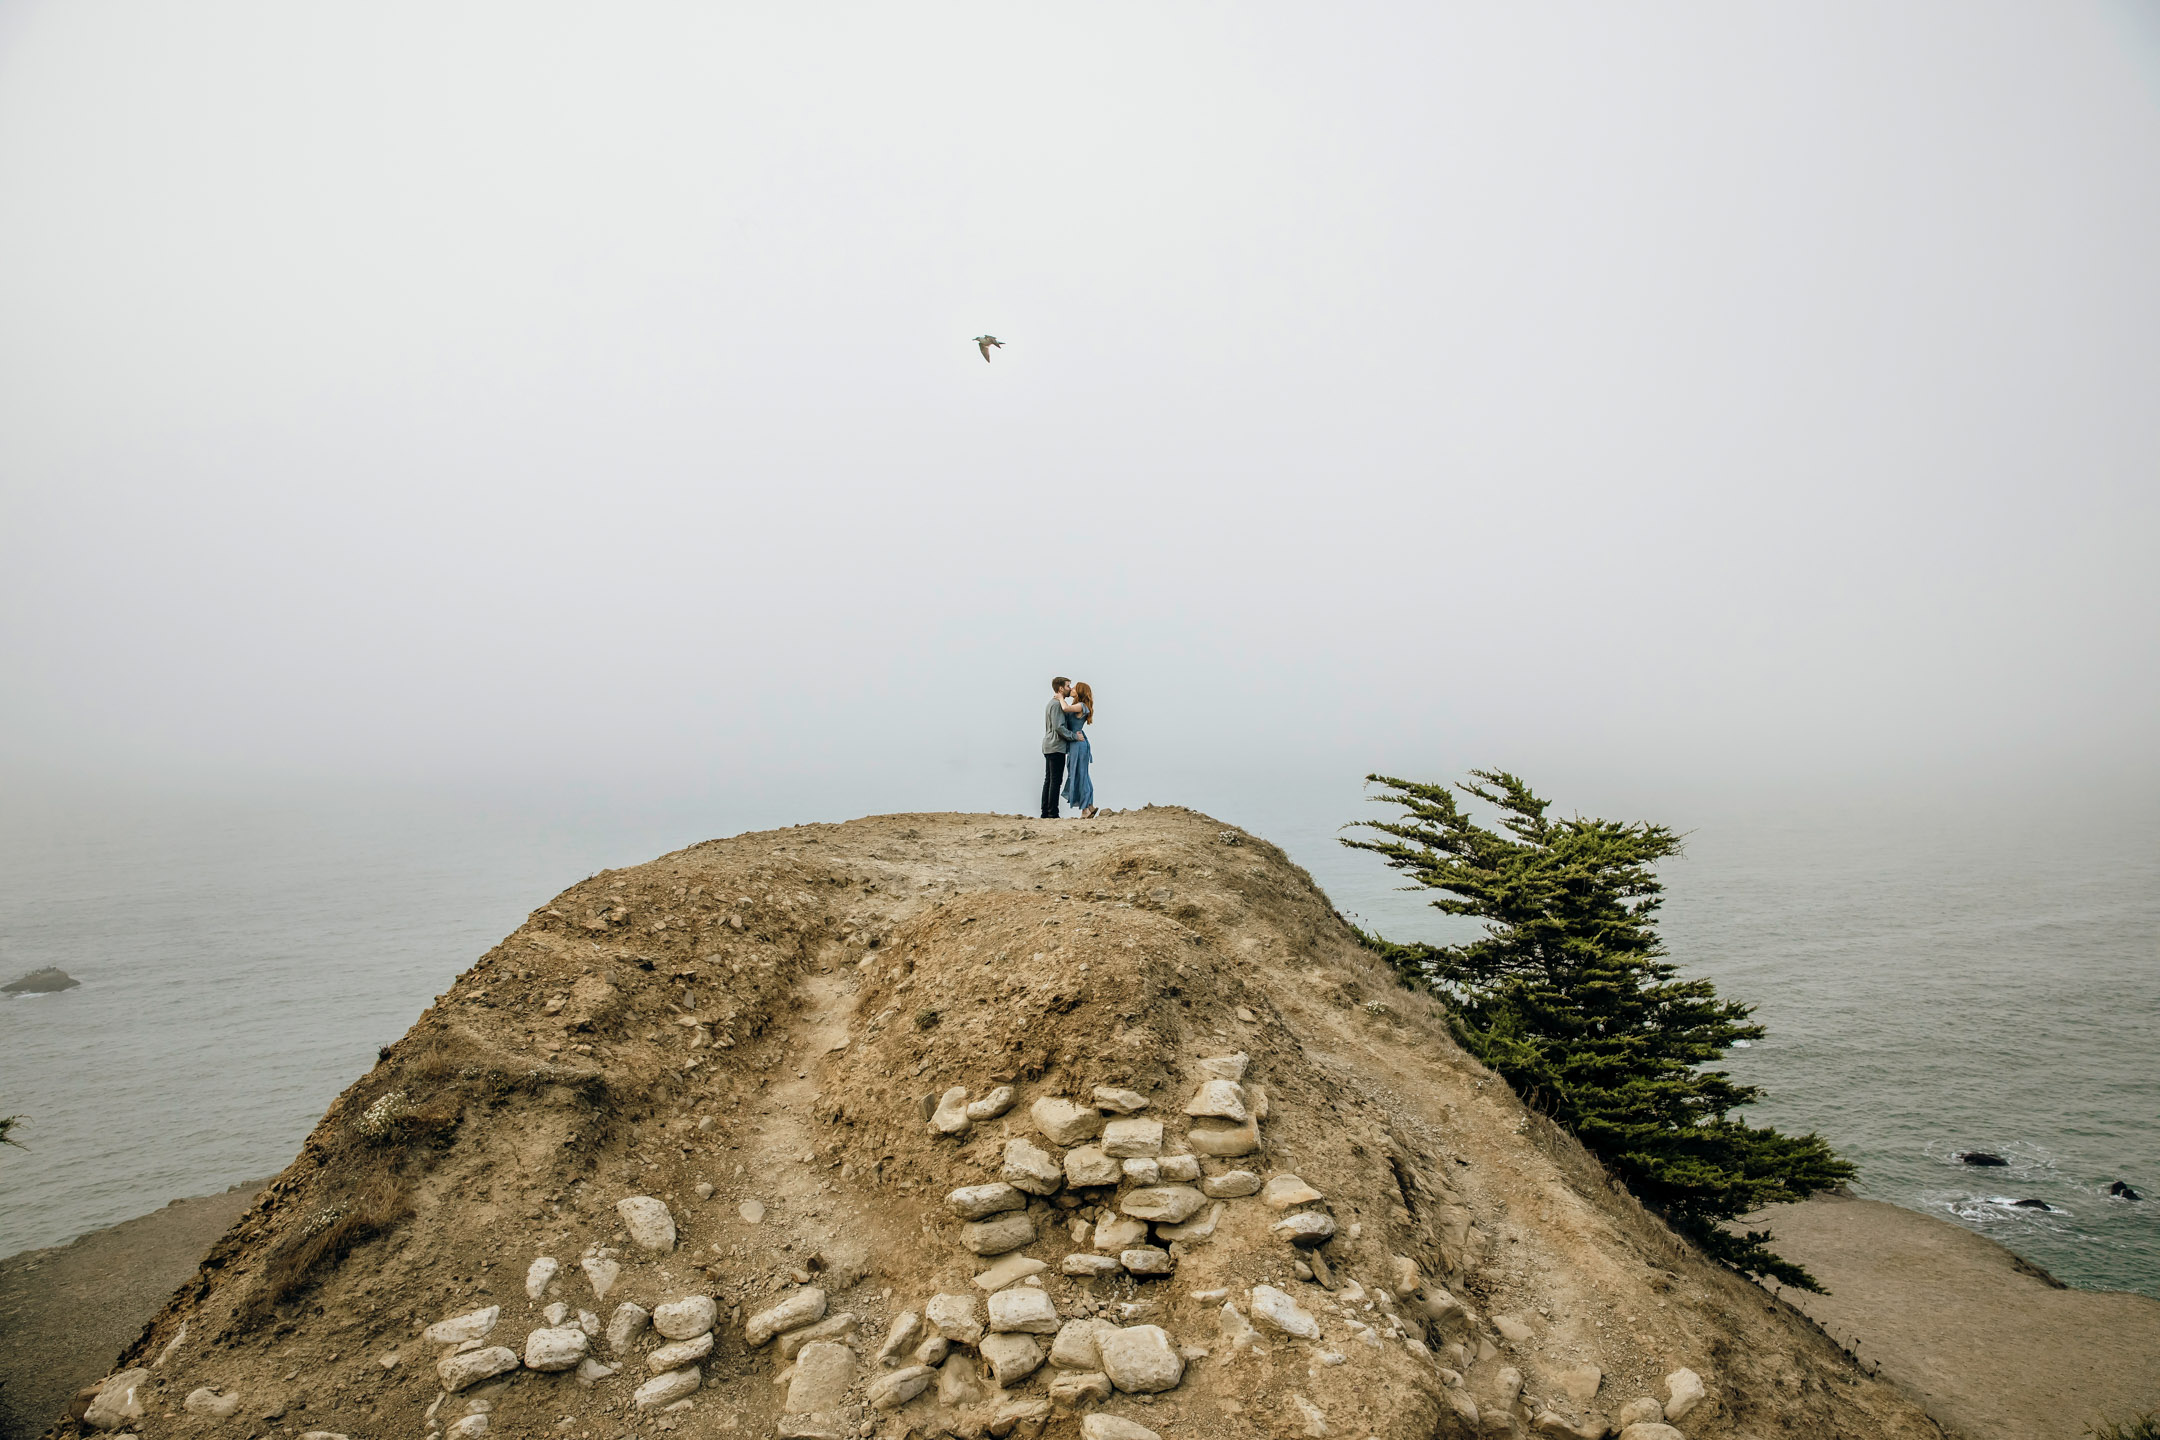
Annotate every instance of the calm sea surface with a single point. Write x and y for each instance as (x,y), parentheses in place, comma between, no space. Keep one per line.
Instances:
(1931,984)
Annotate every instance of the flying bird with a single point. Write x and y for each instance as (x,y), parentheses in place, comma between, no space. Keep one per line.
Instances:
(984,342)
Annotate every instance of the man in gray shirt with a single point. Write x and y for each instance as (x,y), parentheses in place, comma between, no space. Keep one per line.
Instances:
(1059,732)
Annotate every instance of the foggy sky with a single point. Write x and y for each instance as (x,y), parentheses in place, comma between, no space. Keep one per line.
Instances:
(532,393)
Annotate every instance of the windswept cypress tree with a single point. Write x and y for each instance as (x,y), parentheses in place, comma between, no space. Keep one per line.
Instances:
(1568,995)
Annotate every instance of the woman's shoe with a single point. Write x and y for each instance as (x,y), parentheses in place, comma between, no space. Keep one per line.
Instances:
(1088,814)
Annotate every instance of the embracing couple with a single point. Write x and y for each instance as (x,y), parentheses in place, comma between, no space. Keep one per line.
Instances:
(1066,752)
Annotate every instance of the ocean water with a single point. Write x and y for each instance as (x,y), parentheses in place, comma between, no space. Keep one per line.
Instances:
(1931,984)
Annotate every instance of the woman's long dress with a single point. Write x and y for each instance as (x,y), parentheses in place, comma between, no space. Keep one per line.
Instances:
(1079,789)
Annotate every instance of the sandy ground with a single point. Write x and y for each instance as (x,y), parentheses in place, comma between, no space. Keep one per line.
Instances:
(66,1312)
(1986,1343)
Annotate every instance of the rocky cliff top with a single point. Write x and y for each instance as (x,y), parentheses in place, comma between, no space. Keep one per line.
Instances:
(949,1124)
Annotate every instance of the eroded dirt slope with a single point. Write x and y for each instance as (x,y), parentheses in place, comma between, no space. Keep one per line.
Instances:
(776,1037)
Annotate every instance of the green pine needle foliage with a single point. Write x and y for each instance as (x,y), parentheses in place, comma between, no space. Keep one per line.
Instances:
(1569,996)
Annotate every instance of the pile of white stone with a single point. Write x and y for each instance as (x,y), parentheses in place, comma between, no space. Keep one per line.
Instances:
(1015,1334)
(1163,1201)
(566,1341)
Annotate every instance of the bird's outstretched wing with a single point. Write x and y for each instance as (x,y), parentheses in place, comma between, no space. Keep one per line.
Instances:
(984,346)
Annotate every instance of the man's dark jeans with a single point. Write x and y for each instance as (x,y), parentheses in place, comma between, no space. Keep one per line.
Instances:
(1053,782)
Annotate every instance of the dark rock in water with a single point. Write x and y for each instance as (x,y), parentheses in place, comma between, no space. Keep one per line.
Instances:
(2123,1192)
(1982,1157)
(2032,1205)
(41,982)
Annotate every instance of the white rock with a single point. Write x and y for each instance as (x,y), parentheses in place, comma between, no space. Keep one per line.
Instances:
(1144,1171)
(1139,1359)
(472,1325)
(1643,1411)
(1028,1167)
(1023,1308)
(892,1391)
(1315,1427)
(1088,1165)
(555,1348)
(992,1105)
(1284,1191)
(679,1354)
(973,1202)
(467,1427)
(648,1221)
(1198,1228)
(1651,1430)
(1080,1387)
(1256,1101)
(933,1351)
(1225,1142)
(1011,1357)
(588,1322)
(217,1406)
(1274,1308)
(953,1316)
(1124,1102)
(1011,1414)
(470,1367)
(832,1327)
(1331,1357)
(1147,1260)
(951,1117)
(1099,1426)
(1074,1348)
(1131,1137)
(591,1372)
(623,1326)
(1182,1169)
(1683,1392)
(1219,1098)
(1064,1123)
(1236,1330)
(1306,1229)
(752,1211)
(682,1319)
(1115,1232)
(600,1273)
(1231,1184)
(900,1336)
(998,1235)
(797,1310)
(1225,1067)
(703,1190)
(823,1372)
(1009,1269)
(539,1275)
(1090,1266)
(958,1383)
(667,1389)
(1166,1203)
(556,1313)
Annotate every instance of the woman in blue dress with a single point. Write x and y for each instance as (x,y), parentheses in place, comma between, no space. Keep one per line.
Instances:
(1079,789)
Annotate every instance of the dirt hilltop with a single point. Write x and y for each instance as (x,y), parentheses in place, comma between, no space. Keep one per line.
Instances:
(936,1124)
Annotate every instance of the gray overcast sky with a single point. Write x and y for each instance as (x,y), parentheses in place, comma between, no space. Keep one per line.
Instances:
(414,391)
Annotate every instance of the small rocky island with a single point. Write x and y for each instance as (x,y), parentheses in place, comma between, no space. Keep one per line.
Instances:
(41,982)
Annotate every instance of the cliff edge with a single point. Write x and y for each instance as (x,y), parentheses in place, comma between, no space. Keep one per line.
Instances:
(948,1124)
